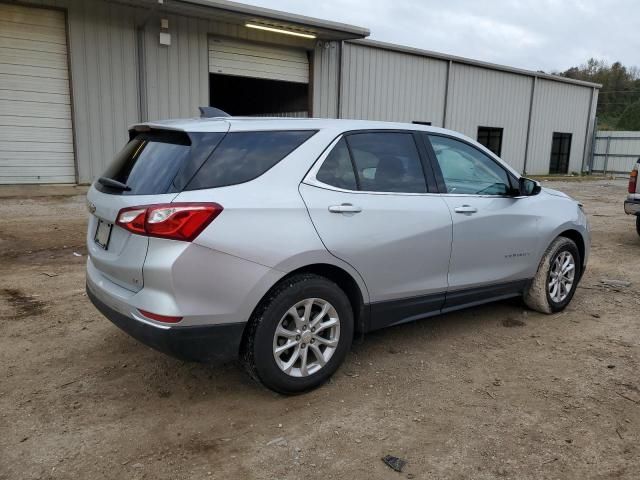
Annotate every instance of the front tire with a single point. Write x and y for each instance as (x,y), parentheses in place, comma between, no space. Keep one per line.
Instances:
(299,335)
(557,277)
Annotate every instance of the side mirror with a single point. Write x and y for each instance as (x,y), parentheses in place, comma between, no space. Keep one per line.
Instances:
(528,187)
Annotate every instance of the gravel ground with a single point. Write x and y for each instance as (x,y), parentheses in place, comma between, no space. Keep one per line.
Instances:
(492,392)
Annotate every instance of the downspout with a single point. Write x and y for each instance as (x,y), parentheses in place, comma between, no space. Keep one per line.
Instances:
(446,94)
(594,139)
(141,28)
(339,94)
(526,145)
(586,133)
(143,107)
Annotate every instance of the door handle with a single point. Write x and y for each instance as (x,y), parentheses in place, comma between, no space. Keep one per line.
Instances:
(467,209)
(345,208)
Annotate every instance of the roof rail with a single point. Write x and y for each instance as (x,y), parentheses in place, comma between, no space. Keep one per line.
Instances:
(212,112)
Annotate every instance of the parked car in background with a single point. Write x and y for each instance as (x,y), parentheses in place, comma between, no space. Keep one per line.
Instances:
(278,239)
(632,203)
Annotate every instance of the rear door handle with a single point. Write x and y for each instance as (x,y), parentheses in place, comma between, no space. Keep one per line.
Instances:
(345,208)
(468,209)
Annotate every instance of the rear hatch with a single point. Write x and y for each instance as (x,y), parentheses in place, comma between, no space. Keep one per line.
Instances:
(153,167)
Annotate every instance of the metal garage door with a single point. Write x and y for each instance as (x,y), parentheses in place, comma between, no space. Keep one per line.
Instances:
(246,59)
(36,141)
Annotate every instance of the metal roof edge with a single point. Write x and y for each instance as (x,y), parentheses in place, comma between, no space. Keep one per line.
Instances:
(470,61)
(235,7)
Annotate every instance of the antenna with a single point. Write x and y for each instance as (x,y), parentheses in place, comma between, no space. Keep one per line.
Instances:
(212,112)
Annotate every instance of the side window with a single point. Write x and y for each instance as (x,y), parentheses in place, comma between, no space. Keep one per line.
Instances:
(387,162)
(337,169)
(467,170)
(243,156)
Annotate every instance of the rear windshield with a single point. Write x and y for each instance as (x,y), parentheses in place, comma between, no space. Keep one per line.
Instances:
(158,162)
(243,156)
(162,161)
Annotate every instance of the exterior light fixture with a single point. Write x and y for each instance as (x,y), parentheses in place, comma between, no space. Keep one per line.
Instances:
(279,30)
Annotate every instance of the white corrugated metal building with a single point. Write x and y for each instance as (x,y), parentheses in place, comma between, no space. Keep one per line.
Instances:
(75,73)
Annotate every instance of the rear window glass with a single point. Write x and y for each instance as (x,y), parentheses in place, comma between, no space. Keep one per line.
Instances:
(243,156)
(158,162)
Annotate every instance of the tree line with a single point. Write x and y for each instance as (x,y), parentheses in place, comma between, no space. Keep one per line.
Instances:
(619,97)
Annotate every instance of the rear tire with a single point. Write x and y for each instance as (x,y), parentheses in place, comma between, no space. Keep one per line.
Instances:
(314,316)
(638,224)
(557,277)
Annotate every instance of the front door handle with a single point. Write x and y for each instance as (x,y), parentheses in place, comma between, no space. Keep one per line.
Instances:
(466,209)
(345,208)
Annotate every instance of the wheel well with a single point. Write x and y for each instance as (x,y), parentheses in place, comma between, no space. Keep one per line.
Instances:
(346,282)
(578,240)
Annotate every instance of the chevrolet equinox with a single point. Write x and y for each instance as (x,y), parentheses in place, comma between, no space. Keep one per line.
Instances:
(278,240)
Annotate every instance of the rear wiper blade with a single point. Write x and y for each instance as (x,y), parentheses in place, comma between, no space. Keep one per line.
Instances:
(110,182)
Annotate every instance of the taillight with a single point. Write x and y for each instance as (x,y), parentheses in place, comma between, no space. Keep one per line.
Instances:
(132,219)
(633,179)
(175,221)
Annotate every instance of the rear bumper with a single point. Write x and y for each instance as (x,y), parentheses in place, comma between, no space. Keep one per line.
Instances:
(204,343)
(632,207)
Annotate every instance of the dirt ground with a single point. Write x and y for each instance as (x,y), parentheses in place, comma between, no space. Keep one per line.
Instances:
(492,392)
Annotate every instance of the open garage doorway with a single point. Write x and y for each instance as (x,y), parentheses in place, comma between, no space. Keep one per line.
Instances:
(258,79)
(258,97)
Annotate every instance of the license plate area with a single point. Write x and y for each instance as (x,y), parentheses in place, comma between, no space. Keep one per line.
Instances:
(103,234)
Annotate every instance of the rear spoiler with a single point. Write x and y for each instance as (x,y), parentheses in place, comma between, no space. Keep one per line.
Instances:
(168,135)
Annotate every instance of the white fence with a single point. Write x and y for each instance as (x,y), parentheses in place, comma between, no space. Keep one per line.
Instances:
(615,152)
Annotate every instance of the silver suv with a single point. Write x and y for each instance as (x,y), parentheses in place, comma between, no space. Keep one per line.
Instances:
(278,240)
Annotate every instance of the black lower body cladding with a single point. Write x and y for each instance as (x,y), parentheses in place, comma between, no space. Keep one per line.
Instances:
(197,343)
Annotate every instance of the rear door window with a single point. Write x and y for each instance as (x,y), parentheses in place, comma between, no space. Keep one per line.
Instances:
(387,162)
(157,162)
(243,156)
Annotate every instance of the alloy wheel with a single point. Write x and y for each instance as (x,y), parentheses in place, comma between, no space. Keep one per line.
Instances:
(561,276)
(306,337)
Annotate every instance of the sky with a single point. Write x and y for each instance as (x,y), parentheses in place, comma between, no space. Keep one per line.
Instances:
(548,35)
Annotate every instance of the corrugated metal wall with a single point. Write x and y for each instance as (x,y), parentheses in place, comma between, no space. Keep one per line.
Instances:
(487,98)
(177,76)
(621,154)
(557,107)
(104,67)
(379,84)
(376,83)
(103,42)
(326,73)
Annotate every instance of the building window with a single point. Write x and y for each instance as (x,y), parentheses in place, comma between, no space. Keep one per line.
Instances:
(420,122)
(491,138)
(560,153)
